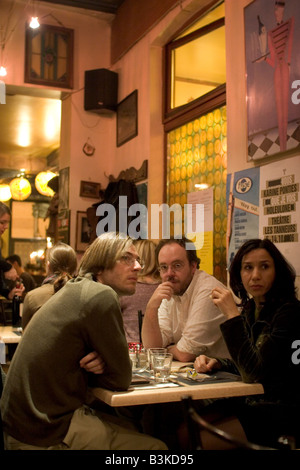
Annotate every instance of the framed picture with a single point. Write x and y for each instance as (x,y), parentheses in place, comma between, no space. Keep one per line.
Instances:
(63,226)
(82,232)
(49,56)
(89,189)
(272,71)
(64,177)
(127,118)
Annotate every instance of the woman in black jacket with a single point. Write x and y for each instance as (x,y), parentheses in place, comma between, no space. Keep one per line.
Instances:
(262,334)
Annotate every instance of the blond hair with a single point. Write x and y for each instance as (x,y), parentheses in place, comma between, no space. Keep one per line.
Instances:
(62,261)
(146,251)
(104,252)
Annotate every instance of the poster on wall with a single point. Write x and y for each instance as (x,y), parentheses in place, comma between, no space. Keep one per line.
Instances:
(204,241)
(242,196)
(272,37)
(279,215)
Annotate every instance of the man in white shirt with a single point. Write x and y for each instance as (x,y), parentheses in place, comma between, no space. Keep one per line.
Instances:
(180,315)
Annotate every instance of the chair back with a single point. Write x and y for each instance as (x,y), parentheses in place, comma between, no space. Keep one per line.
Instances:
(196,424)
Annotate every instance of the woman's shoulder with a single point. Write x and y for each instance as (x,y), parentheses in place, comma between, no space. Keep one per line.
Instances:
(43,289)
(290,307)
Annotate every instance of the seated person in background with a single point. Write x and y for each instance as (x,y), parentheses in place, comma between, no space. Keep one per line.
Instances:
(26,278)
(43,400)
(61,265)
(180,314)
(260,339)
(8,272)
(148,280)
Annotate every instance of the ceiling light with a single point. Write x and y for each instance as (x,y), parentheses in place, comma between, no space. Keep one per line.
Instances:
(20,188)
(3,71)
(202,186)
(41,183)
(34,22)
(5,194)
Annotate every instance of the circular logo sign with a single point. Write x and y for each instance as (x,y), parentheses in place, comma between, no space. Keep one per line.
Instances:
(243,185)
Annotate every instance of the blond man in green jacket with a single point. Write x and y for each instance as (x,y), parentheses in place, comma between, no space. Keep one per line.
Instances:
(44,399)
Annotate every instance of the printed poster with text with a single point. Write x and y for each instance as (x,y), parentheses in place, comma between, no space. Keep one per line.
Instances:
(205,199)
(279,207)
(242,196)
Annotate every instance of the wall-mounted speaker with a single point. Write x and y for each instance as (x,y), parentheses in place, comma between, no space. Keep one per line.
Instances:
(100,90)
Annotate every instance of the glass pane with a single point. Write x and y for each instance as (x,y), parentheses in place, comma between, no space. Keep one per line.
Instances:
(214,15)
(197,154)
(198,67)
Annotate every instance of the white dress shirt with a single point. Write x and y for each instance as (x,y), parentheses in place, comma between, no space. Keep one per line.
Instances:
(191,321)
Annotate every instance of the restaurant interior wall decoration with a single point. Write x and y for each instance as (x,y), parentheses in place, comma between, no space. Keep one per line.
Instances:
(197,154)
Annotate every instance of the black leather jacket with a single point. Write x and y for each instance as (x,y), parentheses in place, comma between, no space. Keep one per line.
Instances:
(261,350)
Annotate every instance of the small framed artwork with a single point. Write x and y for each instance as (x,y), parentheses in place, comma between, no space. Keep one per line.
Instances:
(64,177)
(82,232)
(63,226)
(89,189)
(49,56)
(127,118)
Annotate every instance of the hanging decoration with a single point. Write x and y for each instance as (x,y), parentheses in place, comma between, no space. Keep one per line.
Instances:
(20,188)
(89,148)
(41,183)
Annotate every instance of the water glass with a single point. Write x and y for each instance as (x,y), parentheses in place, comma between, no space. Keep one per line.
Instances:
(152,351)
(162,364)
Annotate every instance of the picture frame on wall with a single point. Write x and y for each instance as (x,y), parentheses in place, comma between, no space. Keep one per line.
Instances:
(64,178)
(63,226)
(272,71)
(49,56)
(127,118)
(89,189)
(82,232)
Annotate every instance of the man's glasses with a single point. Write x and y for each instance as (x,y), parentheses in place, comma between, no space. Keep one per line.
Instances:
(177,266)
(131,260)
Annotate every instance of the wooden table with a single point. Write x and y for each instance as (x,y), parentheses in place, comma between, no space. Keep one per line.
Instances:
(140,396)
(10,334)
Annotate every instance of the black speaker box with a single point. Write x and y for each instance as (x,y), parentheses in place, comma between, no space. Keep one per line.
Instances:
(100,90)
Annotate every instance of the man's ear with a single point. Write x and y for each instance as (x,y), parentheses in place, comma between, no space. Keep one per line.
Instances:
(194,266)
(98,276)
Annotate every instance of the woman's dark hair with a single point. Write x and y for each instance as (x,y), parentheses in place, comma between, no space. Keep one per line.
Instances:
(283,287)
(184,242)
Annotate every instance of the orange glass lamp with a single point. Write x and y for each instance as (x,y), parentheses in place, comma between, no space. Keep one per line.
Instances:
(41,183)
(5,194)
(20,188)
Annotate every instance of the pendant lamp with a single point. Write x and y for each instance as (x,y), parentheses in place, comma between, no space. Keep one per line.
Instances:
(41,183)
(5,194)
(20,188)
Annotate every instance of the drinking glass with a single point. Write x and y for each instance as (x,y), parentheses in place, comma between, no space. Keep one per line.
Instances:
(138,356)
(152,351)
(162,364)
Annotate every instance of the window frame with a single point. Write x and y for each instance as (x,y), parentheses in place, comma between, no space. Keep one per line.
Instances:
(175,116)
